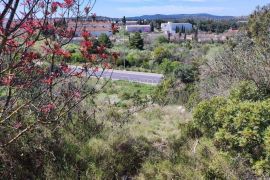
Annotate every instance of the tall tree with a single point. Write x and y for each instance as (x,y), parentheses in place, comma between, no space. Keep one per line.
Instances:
(152,26)
(258,25)
(39,93)
(104,40)
(124,21)
(136,41)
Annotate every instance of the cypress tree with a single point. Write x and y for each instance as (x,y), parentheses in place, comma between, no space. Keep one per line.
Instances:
(124,21)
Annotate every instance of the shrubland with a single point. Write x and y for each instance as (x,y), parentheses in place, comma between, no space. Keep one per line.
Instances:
(208,119)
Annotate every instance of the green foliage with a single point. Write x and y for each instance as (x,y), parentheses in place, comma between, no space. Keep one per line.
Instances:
(138,58)
(162,39)
(258,25)
(72,48)
(77,57)
(161,93)
(239,125)
(104,40)
(161,53)
(136,41)
(243,130)
(204,115)
(247,91)
(216,26)
(187,73)
(167,66)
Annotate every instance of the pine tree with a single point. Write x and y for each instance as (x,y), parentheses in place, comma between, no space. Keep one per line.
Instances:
(136,41)
(104,40)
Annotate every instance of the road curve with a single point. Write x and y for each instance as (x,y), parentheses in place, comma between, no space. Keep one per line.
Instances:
(131,76)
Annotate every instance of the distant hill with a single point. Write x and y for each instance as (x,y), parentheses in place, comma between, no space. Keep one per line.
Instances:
(202,16)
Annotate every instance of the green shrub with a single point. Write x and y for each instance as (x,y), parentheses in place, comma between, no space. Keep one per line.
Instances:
(77,57)
(247,91)
(214,174)
(104,40)
(162,39)
(161,53)
(187,73)
(138,58)
(243,131)
(72,48)
(167,66)
(204,115)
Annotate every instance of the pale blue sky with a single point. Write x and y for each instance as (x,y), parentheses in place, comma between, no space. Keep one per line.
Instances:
(119,8)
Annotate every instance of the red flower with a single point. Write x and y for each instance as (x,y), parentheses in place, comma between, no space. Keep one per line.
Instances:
(47,108)
(114,28)
(115,55)
(69,3)
(48,80)
(86,45)
(101,49)
(106,65)
(7,80)
(65,68)
(55,6)
(78,74)
(77,94)
(17,125)
(104,56)
(29,43)
(85,35)
(66,54)
(95,69)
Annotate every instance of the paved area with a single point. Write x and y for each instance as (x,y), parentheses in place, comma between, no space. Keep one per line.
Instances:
(139,77)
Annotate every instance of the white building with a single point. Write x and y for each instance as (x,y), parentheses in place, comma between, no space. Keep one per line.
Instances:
(138,28)
(171,27)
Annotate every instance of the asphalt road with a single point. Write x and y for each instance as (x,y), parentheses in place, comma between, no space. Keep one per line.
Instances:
(139,77)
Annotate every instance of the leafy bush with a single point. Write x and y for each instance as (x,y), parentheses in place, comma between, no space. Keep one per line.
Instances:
(247,91)
(77,57)
(72,48)
(161,53)
(162,39)
(138,58)
(122,157)
(104,40)
(187,73)
(239,125)
(204,116)
(243,129)
(167,66)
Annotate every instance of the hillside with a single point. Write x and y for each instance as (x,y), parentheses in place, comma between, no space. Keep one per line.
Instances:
(202,16)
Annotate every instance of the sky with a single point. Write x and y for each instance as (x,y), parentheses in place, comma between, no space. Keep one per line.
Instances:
(128,8)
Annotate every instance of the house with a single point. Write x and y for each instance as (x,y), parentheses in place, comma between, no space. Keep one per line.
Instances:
(131,22)
(172,27)
(138,28)
(95,28)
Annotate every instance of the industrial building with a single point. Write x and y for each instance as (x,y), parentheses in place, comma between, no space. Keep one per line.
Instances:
(171,27)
